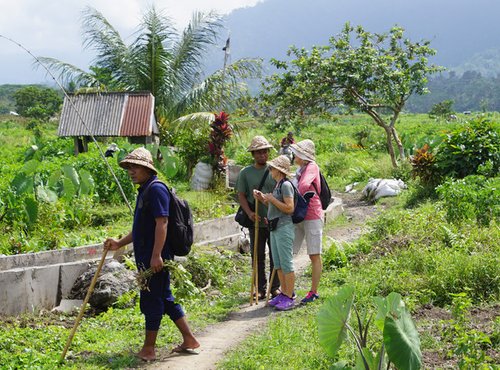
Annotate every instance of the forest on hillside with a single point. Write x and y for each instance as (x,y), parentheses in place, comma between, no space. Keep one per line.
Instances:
(469,91)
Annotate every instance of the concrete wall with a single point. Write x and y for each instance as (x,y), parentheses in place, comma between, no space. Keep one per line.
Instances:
(29,282)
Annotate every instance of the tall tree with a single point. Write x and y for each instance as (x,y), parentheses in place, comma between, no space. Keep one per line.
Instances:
(37,102)
(161,60)
(369,72)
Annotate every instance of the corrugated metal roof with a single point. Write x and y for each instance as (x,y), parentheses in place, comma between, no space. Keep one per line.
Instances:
(138,116)
(108,114)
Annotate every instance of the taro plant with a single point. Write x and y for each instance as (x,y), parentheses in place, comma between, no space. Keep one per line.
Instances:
(30,187)
(400,345)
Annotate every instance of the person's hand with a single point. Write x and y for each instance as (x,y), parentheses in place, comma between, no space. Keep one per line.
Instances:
(257,194)
(156,263)
(111,244)
(267,197)
(252,216)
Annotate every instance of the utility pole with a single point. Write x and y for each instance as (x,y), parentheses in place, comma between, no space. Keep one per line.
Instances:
(227,54)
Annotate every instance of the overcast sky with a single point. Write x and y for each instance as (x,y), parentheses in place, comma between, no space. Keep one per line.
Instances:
(52,28)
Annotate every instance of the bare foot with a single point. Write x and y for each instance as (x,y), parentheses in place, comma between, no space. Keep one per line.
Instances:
(187,346)
(147,354)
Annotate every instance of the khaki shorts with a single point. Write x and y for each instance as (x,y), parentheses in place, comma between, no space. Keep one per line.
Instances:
(312,232)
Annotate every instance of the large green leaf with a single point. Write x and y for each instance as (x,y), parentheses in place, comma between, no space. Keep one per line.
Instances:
(28,154)
(69,189)
(22,183)
(70,173)
(87,184)
(31,209)
(53,179)
(120,155)
(169,166)
(401,341)
(44,194)
(391,303)
(30,167)
(333,319)
(340,365)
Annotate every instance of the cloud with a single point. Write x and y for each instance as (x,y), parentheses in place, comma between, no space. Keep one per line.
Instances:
(53,28)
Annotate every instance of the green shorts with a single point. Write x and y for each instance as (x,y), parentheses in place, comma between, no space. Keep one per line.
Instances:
(282,247)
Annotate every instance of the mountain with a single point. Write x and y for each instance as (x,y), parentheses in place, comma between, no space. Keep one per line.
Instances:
(487,63)
(457,29)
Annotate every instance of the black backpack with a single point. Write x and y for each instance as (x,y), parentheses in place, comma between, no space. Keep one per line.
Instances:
(180,222)
(325,195)
(301,203)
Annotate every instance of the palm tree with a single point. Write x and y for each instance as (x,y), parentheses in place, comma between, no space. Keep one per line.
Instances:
(159,60)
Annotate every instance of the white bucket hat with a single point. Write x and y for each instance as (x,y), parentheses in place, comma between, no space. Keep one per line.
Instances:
(281,163)
(304,150)
(258,143)
(141,157)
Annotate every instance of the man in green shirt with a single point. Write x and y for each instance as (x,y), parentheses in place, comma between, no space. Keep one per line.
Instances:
(249,179)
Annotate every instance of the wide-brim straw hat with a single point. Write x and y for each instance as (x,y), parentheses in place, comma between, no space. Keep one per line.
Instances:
(141,157)
(282,164)
(304,150)
(258,143)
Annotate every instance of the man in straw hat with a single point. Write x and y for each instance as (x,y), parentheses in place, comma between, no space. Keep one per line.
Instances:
(249,179)
(281,206)
(311,229)
(148,234)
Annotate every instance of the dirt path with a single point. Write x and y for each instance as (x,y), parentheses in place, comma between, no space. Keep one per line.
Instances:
(217,339)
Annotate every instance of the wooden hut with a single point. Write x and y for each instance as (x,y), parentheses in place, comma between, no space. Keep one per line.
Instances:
(118,114)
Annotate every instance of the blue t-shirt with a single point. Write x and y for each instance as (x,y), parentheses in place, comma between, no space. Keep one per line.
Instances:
(155,204)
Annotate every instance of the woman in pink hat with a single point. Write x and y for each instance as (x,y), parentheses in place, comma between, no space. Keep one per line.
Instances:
(311,229)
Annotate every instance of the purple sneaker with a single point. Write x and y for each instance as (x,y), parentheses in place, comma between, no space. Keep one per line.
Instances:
(286,304)
(273,302)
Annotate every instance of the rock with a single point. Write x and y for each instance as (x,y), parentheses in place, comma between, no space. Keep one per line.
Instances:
(68,305)
(113,281)
(244,245)
(350,188)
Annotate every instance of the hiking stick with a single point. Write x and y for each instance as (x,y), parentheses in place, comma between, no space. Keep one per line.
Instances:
(85,301)
(255,275)
(269,286)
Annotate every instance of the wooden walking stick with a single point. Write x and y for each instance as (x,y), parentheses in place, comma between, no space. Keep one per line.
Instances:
(269,286)
(255,266)
(85,301)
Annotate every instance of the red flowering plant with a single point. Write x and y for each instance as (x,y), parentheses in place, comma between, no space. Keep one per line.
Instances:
(220,132)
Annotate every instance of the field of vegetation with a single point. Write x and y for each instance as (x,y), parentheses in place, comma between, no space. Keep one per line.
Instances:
(437,245)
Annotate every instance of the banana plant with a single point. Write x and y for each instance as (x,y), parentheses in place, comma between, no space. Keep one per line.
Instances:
(400,345)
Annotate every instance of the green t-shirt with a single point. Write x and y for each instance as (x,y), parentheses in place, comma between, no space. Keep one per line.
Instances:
(248,180)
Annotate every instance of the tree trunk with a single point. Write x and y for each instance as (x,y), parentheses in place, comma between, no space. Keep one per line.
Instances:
(398,143)
(388,132)
(390,148)
(392,125)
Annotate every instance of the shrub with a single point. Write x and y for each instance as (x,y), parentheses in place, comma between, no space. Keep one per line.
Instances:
(424,165)
(472,198)
(443,109)
(466,149)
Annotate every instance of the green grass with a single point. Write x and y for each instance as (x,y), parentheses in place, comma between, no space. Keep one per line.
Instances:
(406,251)
(110,339)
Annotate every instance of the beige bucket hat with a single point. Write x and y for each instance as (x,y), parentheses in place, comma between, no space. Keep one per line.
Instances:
(304,150)
(282,164)
(258,143)
(141,157)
